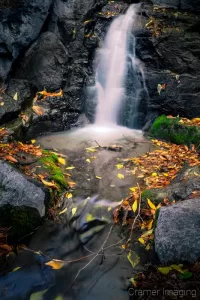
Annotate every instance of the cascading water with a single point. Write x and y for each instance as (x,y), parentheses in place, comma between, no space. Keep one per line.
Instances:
(117,61)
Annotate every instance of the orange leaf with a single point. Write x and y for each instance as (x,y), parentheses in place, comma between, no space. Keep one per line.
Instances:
(37,110)
(10,158)
(55,264)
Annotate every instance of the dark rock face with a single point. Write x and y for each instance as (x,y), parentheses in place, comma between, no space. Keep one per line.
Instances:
(177,234)
(45,63)
(180,4)
(169,49)
(22,201)
(19,26)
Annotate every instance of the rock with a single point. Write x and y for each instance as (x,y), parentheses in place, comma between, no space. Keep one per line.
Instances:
(181,4)
(23,201)
(42,67)
(11,107)
(19,27)
(177,234)
(167,62)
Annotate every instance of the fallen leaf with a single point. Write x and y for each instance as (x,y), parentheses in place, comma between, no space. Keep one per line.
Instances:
(37,110)
(15,269)
(62,161)
(134,206)
(63,211)
(148,247)
(119,166)
(88,160)
(91,149)
(74,211)
(98,177)
(151,204)
(142,241)
(55,264)
(6,247)
(33,141)
(68,195)
(120,176)
(10,158)
(49,184)
(70,168)
(164,270)
(177,268)
(133,258)
(147,233)
(15,97)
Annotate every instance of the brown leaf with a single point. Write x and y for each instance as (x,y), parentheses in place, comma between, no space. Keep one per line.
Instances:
(10,158)
(37,110)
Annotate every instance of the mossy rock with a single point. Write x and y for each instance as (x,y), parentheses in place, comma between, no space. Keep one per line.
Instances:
(50,161)
(155,195)
(173,131)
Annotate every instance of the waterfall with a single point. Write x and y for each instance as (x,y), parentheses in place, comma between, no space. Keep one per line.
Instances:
(112,69)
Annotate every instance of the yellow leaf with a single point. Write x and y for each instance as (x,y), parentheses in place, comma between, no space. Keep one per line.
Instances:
(74,211)
(15,97)
(33,141)
(63,211)
(133,281)
(149,232)
(70,168)
(151,204)
(38,295)
(71,184)
(133,258)
(120,176)
(119,166)
(134,206)
(132,189)
(149,226)
(89,218)
(142,241)
(49,184)
(61,161)
(68,195)
(148,247)
(154,174)
(98,177)
(91,149)
(88,160)
(55,264)
(164,270)
(15,269)
(177,268)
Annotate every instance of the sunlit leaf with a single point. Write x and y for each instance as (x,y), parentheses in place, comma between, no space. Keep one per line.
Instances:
(177,268)
(133,258)
(99,177)
(134,206)
(15,97)
(63,211)
(49,184)
(68,195)
(37,110)
(55,264)
(70,168)
(151,205)
(142,241)
(119,166)
(74,210)
(88,160)
(164,270)
(62,161)
(120,176)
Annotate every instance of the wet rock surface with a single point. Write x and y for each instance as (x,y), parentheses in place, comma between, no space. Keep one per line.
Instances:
(177,236)
(23,201)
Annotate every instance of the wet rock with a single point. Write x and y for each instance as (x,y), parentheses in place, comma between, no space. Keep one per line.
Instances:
(23,201)
(20,25)
(181,4)
(42,67)
(177,234)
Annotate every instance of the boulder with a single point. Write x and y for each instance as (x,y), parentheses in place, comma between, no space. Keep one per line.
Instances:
(42,67)
(20,25)
(23,201)
(181,4)
(177,233)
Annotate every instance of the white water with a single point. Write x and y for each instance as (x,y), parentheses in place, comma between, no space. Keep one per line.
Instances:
(111,70)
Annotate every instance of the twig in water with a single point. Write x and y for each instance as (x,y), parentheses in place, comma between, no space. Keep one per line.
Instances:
(100,250)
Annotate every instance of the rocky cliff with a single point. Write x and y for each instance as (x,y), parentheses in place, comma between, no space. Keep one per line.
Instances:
(50,45)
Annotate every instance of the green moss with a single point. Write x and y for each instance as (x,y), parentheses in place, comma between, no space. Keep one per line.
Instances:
(173,131)
(147,194)
(50,160)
